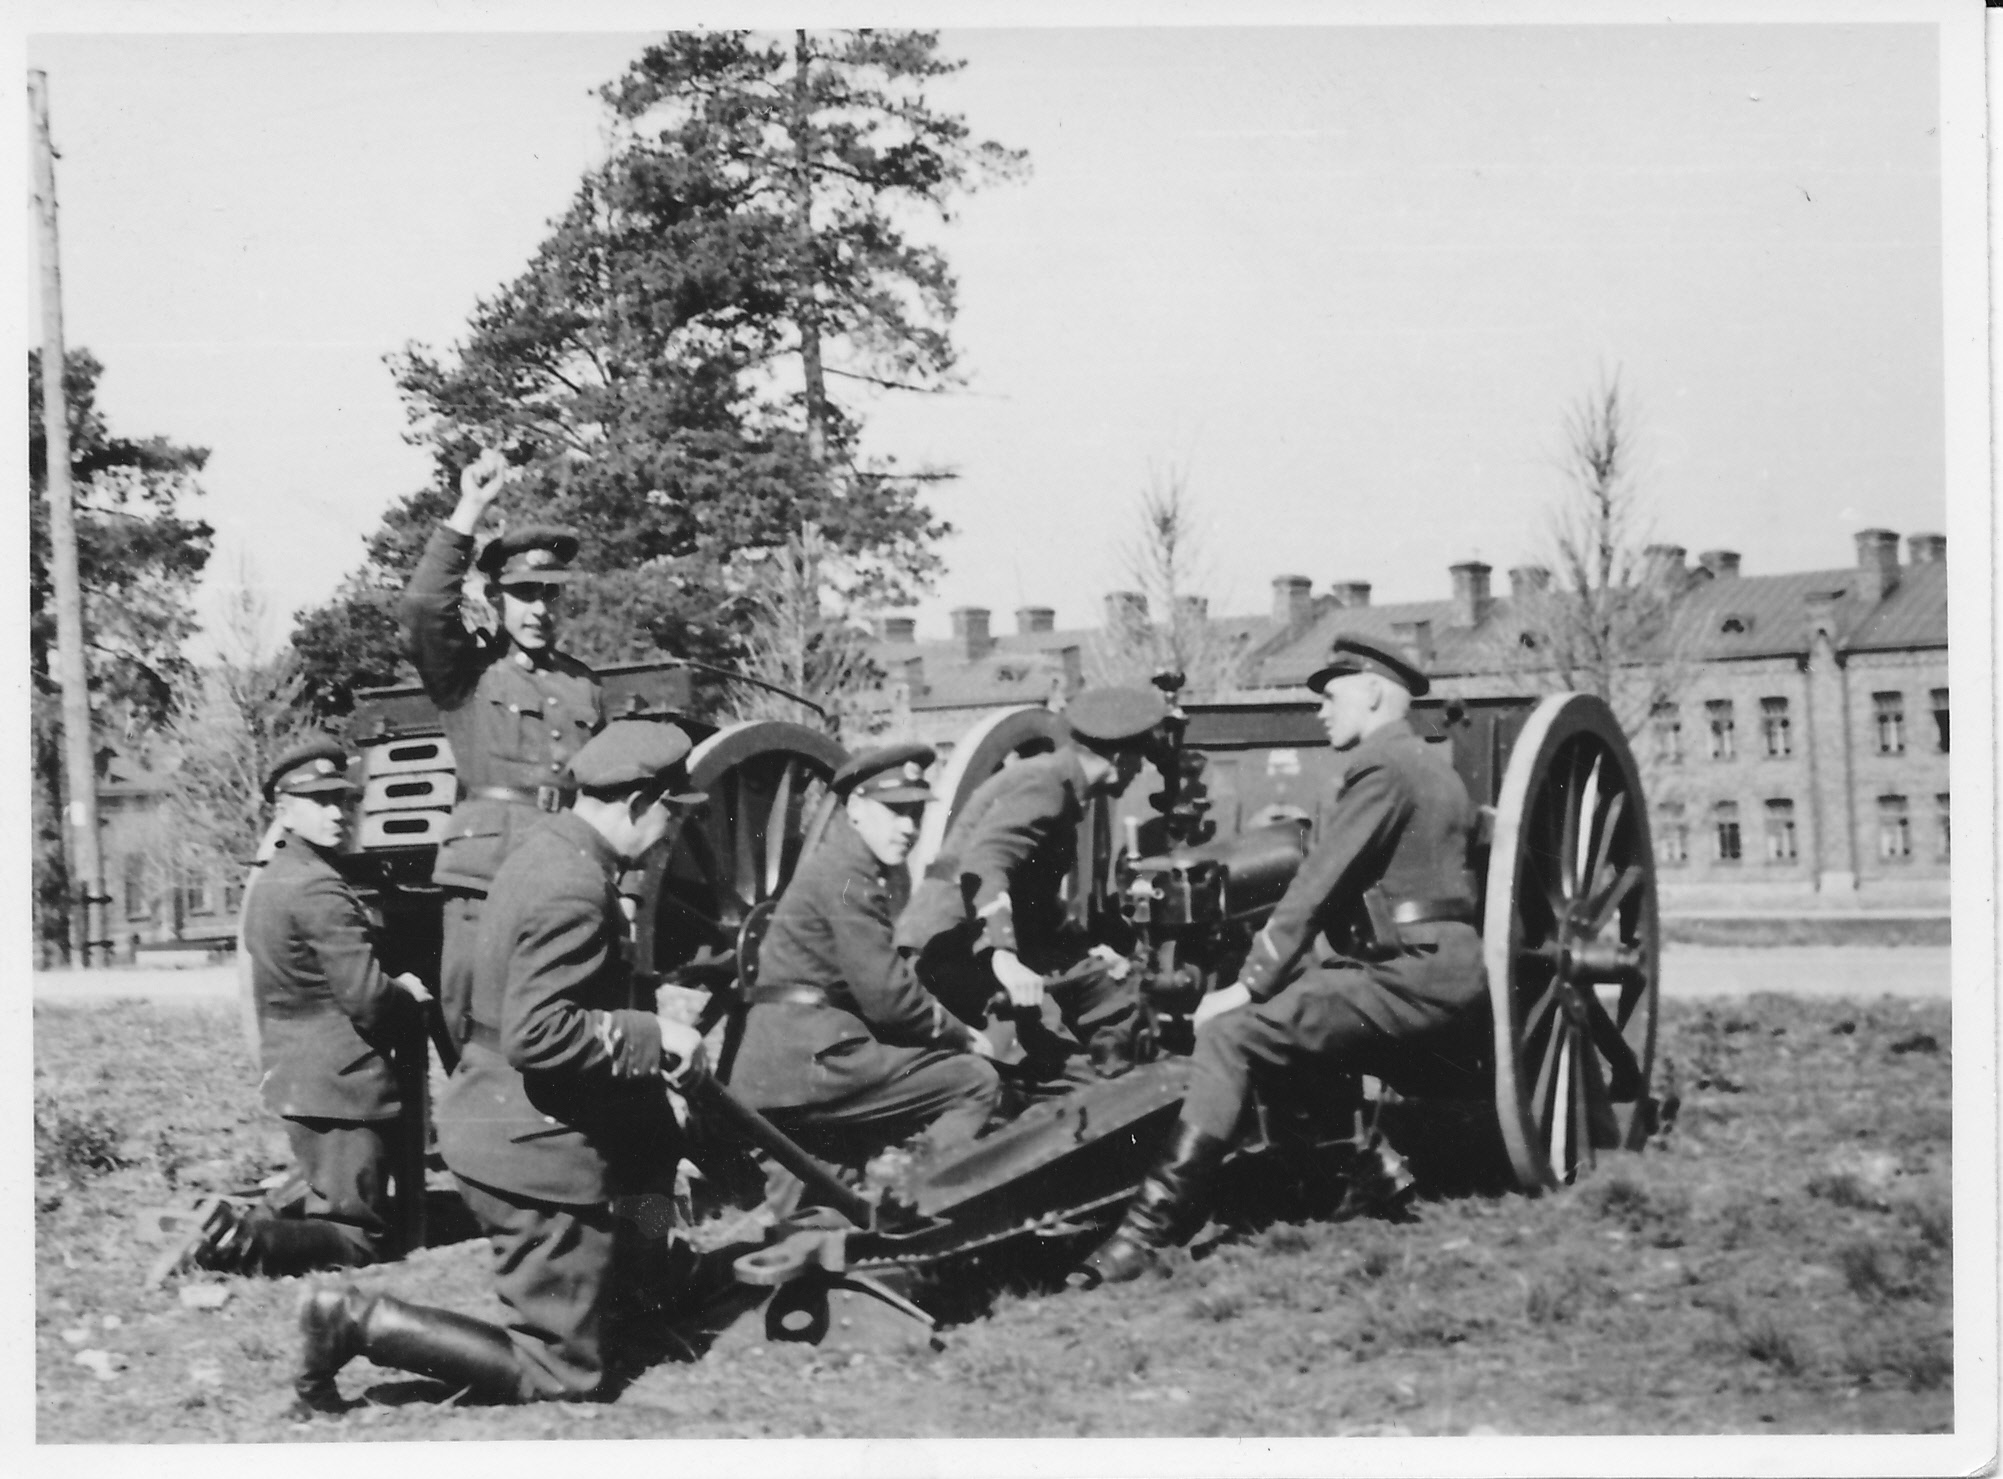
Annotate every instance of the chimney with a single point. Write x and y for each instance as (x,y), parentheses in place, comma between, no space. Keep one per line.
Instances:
(1527,581)
(1416,637)
(1926,549)
(1722,563)
(1471,599)
(1877,564)
(1074,669)
(1662,565)
(1822,614)
(914,676)
(1193,608)
(1032,619)
(1291,599)
(1125,609)
(897,628)
(1351,592)
(970,630)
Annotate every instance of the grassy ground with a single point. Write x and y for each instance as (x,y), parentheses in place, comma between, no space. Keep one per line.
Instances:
(1778,1262)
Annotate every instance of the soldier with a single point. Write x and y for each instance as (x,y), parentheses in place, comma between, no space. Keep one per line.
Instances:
(1387,886)
(327,1015)
(514,708)
(557,1123)
(991,911)
(844,1050)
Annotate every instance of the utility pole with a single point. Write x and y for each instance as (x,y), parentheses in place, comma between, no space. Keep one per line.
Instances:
(79,764)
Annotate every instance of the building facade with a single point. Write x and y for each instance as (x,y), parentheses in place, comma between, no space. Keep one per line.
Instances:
(1795,755)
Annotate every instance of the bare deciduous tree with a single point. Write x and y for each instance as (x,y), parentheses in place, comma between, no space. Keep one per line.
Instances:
(1162,624)
(1604,621)
(801,637)
(241,712)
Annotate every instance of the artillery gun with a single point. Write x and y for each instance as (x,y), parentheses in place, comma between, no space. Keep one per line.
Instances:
(1178,879)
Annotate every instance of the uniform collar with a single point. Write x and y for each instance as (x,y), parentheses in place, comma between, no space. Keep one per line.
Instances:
(855,852)
(587,839)
(1383,739)
(292,845)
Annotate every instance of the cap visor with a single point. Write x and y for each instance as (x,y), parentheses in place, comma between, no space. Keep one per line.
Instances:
(538,577)
(327,787)
(902,795)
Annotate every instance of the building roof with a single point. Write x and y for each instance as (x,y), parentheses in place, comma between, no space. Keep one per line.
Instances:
(1717,619)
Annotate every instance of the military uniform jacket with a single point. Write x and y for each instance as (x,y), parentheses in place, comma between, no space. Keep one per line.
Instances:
(326,1013)
(832,929)
(1005,861)
(1400,818)
(509,724)
(558,1097)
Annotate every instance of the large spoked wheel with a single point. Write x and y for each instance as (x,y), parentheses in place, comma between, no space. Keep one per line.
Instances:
(980,752)
(1572,944)
(711,875)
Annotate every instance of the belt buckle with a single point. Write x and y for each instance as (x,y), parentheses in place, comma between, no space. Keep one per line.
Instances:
(549,798)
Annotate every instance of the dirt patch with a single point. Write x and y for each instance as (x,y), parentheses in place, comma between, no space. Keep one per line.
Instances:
(1779,1261)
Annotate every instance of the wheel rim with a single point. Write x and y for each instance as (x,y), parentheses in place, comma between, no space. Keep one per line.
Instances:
(1571,942)
(978,754)
(765,781)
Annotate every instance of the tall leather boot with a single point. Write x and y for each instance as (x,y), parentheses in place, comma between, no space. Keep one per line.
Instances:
(336,1325)
(1168,1208)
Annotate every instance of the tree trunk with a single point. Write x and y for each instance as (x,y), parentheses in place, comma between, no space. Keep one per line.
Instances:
(803,224)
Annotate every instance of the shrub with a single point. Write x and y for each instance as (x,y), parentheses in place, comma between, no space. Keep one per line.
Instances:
(1767,1340)
(77,1143)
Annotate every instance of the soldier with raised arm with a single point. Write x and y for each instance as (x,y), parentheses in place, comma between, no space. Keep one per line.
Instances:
(1385,905)
(515,709)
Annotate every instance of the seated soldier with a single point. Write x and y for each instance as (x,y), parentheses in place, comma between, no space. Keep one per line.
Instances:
(556,1124)
(991,913)
(844,1050)
(327,1015)
(1393,848)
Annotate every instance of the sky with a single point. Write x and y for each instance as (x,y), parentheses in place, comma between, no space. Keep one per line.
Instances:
(1345,281)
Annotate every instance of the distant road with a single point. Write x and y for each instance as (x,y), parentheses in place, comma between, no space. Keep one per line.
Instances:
(1689,971)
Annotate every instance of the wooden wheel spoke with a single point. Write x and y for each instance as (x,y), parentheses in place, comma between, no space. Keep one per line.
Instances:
(1608,906)
(1603,841)
(1584,819)
(1540,1009)
(778,830)
(1561,1105)
(1583,1075)
(744,848)
(1625,1081)
(1567,799)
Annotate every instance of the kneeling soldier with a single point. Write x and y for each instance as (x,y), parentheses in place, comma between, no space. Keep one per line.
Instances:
(327,1016)
(557,1122)
(844,1050)
(991,912)
(1387,886)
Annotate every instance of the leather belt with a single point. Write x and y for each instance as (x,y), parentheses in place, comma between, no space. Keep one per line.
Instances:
(797,996)
(1433,911)
(542,798)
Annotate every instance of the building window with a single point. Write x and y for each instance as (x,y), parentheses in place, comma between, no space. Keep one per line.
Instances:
(1891,713)
(1665,722)
(1939,697)
(198,896)
(1723,745)
(137,905)
(1895,829)
(1726,817)
(1941,839)
(1780,832)
(1774,728)
(1672,835)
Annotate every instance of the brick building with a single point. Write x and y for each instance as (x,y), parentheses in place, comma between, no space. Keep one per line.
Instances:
(1801,764)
